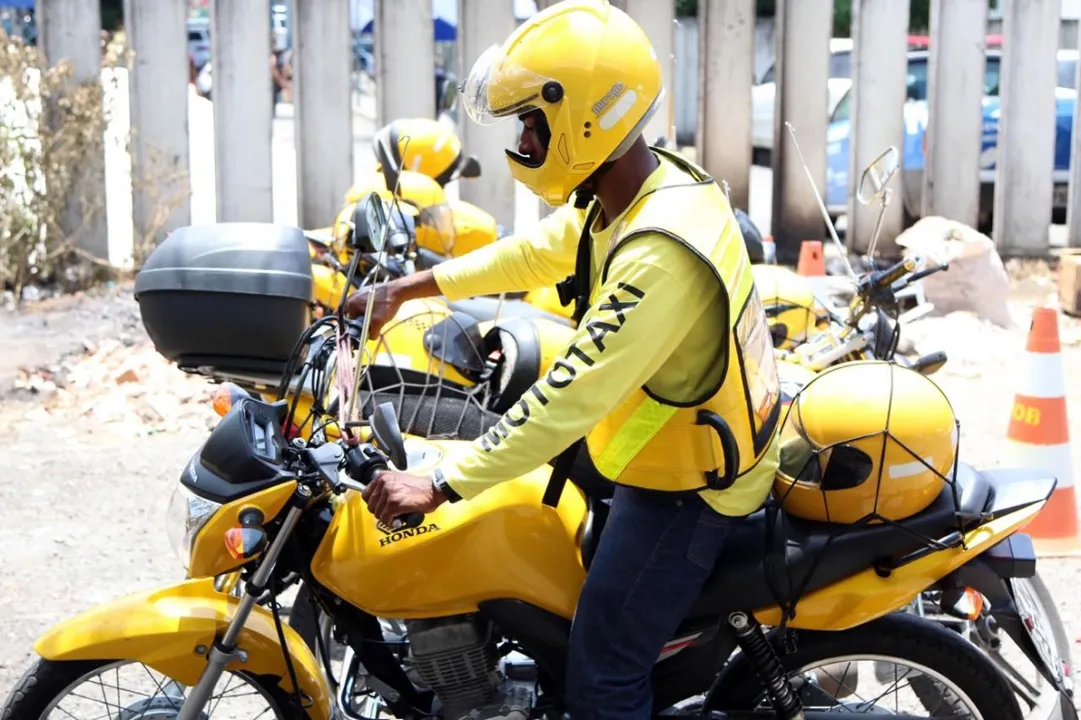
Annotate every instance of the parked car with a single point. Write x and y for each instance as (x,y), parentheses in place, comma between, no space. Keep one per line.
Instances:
(199,42)
(764,95)
(913,158)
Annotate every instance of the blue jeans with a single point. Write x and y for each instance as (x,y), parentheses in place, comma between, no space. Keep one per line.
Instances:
(655,554)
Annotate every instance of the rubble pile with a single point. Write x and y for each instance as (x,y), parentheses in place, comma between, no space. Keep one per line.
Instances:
(128,387)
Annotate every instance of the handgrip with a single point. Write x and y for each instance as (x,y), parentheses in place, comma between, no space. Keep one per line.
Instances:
(409,520)
(887,277)
(728,445)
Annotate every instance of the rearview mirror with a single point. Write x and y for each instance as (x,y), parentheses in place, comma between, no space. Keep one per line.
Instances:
(930,364)
(877,175)
(376,220)
(384,424)
(470,167)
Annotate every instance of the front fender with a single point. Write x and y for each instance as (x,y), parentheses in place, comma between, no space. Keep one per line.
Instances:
(161,628)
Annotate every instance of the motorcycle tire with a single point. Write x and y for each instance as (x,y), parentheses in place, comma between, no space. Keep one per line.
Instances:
(930,693)
(898,635)
(46,679)
(304,618)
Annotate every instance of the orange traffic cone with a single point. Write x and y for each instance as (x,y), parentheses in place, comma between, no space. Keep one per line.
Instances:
(811,262)
(1039,436)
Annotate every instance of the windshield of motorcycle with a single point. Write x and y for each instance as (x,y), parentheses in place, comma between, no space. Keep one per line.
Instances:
(435,229)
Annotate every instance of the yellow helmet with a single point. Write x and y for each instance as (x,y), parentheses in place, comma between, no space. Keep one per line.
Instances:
(866,440)
(590,69)
(473,227)
(422,145)
(427,342)
(792,311)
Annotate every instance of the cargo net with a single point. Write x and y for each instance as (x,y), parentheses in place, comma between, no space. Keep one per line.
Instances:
(791,321)
(424,363)
(868,501)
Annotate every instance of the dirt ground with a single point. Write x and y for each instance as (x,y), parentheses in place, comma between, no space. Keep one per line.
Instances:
(83,490)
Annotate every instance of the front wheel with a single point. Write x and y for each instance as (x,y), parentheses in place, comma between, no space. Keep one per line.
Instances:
(835,671)
(90,689)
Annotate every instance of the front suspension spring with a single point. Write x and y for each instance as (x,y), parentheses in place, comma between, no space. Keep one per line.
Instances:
(752,641)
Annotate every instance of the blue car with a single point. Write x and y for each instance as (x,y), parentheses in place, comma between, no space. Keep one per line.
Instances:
(838,188)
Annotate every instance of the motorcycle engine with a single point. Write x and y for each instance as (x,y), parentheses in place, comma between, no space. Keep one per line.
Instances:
(458,660)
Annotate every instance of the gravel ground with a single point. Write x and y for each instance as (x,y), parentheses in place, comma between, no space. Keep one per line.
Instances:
(82,503)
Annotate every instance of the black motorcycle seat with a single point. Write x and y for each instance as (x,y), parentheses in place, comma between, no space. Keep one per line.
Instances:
(801,560)
(484,308)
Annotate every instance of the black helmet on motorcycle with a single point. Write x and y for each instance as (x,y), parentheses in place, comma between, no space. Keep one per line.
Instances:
(752,238)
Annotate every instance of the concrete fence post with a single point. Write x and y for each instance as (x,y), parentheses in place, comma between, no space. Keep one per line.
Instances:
(161,180)
(657,18)
(726,30)
(1073,207)
(481,25)
(955,86)
(243,96)
(802,35)
(879,74)
(322,62)
(404,60)
(71,30)
(1024,184)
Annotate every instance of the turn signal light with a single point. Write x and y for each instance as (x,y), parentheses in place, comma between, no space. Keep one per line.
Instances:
(244,542)
(969,605)
(225,395)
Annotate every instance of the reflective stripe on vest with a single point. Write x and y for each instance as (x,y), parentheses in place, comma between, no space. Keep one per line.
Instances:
(651,415)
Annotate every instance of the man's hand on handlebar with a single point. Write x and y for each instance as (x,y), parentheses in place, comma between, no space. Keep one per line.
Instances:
(392,494)
(389,298)
(387,304)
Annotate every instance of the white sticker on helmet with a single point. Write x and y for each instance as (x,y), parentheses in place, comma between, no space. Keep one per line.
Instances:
(618,110)
(908,469)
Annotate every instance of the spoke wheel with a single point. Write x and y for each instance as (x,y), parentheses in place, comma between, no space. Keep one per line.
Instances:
(110,690)
(836,672)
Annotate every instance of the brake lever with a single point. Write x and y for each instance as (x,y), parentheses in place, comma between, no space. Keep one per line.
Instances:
(925,272)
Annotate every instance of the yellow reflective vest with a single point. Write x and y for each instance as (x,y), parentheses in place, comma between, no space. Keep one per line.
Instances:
(652,442)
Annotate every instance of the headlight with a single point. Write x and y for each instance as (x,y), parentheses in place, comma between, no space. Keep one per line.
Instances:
(186,516)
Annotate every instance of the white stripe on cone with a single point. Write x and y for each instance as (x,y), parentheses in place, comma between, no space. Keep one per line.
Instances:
(1054,459)
(1040,375)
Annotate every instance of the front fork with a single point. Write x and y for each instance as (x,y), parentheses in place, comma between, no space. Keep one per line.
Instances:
(224,651)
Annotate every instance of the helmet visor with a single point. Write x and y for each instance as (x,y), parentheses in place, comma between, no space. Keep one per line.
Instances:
(497,88)
(435,228)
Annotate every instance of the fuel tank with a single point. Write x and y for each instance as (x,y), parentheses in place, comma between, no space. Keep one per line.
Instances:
(502,544)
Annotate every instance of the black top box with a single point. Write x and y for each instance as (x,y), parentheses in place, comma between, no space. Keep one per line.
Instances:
(227,297)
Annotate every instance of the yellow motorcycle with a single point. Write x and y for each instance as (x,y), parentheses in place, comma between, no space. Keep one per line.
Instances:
(811,337)
(487,589)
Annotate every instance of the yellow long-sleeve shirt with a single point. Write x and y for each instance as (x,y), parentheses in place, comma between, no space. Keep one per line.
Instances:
(670,330)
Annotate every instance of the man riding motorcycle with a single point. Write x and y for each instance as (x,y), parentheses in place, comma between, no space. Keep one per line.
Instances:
(662,399)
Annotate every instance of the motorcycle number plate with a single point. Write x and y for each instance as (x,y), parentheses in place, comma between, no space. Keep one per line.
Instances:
(1038,626)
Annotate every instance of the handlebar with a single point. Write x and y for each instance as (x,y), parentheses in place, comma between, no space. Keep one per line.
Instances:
(363,464)
(882,279)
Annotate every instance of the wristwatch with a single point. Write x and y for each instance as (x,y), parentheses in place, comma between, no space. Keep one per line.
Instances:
(440,483)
